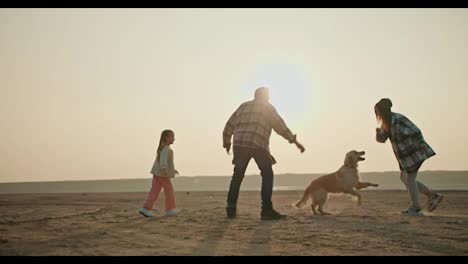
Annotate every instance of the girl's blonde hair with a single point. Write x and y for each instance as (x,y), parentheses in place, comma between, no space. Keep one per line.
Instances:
(162,141)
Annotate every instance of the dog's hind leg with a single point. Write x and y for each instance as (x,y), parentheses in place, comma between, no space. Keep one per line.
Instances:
(323,198)
(313,208)
(322,212)
(321,209)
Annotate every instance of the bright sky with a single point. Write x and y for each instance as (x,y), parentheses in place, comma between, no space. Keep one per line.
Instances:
(85,93)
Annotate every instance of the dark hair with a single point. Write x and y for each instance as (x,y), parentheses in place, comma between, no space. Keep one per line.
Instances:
(162,140)
(383,113)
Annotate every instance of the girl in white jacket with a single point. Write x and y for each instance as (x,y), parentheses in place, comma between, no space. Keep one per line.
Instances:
(163,170)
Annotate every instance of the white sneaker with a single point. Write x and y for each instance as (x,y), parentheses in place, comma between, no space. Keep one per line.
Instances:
(434,201)
(172,212)
(412,212)
(143,211)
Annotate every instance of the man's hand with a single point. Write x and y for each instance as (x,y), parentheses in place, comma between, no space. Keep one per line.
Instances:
(227,147)
(299,145)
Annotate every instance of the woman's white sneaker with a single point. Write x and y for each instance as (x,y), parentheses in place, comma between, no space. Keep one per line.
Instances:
(412,212)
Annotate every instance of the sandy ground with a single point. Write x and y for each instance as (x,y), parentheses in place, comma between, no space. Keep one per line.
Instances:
(108,224)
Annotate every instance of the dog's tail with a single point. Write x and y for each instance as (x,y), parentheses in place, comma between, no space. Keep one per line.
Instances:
(304,201)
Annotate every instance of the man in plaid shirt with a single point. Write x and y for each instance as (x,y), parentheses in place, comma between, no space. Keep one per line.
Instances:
(251,125)
(410,149)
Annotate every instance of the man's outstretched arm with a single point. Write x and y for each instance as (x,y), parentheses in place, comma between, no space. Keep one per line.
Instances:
(280,127)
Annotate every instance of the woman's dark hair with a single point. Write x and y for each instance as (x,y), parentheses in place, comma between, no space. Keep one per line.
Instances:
(383,113)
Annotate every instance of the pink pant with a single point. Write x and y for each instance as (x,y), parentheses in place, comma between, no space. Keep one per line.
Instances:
(158,184)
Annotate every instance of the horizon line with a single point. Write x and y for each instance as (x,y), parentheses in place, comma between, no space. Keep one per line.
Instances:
(247,175)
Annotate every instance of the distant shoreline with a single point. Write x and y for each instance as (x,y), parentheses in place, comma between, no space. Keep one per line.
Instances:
(437,180)
(179,193)
(249,175)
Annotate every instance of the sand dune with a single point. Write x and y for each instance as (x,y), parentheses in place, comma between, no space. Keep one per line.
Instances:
(108,224)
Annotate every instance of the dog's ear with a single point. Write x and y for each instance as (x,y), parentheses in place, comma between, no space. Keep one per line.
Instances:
(348,161)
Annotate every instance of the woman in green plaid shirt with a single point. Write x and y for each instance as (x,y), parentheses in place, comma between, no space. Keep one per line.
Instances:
(410,149)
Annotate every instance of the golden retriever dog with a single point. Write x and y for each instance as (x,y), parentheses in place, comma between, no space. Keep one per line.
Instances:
(344,180)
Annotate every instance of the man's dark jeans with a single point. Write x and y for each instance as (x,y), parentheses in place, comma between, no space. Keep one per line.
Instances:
(241,160)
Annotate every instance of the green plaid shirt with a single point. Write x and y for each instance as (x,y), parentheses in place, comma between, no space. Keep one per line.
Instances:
(408,143)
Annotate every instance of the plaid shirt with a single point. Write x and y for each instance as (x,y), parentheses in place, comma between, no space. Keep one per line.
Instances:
(251,125)
(408,143)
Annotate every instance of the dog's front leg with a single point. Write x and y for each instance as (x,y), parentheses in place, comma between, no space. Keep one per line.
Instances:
(362,185)
(355,193)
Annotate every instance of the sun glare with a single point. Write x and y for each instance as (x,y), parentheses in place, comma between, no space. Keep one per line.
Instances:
(290,89)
